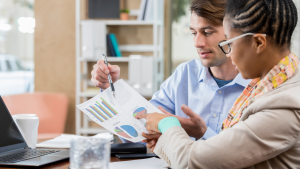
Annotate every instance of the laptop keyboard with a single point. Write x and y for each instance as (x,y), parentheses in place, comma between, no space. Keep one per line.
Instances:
(26,155)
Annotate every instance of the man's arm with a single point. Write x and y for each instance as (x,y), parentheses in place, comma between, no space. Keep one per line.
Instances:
(262,136)
(165,97)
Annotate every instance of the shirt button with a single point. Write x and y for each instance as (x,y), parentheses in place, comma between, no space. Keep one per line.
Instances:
(220,92)
(215,115)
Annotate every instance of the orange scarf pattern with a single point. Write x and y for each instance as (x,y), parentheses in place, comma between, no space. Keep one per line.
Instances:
(256,88)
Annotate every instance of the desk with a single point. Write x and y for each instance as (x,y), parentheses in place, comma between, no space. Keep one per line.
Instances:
(65,163)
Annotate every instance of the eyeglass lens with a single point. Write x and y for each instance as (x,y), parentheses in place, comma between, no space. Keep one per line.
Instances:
(226,48)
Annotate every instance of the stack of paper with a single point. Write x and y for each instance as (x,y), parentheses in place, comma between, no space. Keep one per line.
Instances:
(64,141)
(150,163)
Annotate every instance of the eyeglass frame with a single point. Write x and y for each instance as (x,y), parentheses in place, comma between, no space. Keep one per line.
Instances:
(227,42)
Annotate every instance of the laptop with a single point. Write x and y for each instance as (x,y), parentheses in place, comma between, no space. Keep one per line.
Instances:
(14,150)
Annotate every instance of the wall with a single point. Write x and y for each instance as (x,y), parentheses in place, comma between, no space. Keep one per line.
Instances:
(55,51)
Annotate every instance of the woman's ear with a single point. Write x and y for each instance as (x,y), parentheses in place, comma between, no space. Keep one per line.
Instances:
(260,42)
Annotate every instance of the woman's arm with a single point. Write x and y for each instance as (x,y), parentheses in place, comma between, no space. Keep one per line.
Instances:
(262,136)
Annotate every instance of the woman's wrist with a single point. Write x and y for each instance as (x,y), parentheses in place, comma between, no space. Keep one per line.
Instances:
(167,123)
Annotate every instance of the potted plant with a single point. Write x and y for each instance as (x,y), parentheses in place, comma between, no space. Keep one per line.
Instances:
(124,14)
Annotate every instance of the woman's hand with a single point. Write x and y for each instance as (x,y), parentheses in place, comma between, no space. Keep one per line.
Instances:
(152,120)
(151,140)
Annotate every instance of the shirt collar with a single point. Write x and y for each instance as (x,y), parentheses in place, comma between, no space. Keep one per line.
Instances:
(206,76)
(241,81)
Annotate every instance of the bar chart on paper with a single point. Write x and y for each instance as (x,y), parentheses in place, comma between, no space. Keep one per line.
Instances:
(102,111)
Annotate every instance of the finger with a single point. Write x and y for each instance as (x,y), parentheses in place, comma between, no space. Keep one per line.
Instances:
(152,132)
(113,68)
(189,112)
(102,79)
(151,136)
(97,71)
(151,144)
(164,111)
(103,66)
(102,83)
(143,116)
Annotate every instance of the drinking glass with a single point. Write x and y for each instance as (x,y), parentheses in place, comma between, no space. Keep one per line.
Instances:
(90,153)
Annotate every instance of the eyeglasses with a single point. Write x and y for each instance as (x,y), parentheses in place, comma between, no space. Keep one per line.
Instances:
(225,44)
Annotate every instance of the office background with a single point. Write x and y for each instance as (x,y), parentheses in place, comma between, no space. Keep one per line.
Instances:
(41,36)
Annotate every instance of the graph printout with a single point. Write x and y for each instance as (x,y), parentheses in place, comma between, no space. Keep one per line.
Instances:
(116,114)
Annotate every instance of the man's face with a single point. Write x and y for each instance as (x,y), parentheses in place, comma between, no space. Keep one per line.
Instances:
(206,39)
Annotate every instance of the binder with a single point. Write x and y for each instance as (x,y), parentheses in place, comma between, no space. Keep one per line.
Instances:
(142,10)
(147,76)
(140,74)
(99,39)
(115,44)
(87,48)
(93,35)
(149,11)
(134,71)
(110,46)
(105,9)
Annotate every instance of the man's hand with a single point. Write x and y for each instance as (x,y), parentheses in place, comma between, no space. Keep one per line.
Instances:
(100,74)
(194,125)
(151,140)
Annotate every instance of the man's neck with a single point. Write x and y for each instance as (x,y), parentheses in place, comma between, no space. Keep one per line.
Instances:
(225,71)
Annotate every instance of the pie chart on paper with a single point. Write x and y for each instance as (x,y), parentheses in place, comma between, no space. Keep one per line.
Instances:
(140,111)
(121,133)
(130,130)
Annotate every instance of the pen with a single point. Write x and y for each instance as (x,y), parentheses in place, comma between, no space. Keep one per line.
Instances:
(109,78)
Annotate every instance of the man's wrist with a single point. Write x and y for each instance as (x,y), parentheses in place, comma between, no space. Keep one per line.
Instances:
(203,131)
(208,134)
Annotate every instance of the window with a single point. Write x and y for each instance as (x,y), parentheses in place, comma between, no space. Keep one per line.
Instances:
(8,66)
(19,67)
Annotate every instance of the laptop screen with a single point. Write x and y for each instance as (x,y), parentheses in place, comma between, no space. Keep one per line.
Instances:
(9,133)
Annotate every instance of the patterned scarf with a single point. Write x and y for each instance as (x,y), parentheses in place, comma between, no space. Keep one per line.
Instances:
(256,88)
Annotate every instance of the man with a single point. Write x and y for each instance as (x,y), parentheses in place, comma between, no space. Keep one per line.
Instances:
(208,87)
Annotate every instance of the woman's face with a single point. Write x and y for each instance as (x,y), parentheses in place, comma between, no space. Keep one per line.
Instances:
(242,53)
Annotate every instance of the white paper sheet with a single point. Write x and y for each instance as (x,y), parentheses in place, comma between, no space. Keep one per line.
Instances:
(116,114)
(64,141)
(150,163)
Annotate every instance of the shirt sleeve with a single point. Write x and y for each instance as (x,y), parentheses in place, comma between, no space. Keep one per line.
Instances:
(167,94)
(208,134)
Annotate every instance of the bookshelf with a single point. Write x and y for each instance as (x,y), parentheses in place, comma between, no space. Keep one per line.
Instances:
(136,38)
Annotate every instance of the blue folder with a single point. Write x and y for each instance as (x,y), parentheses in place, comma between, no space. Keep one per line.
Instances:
(115,44)
(110,46)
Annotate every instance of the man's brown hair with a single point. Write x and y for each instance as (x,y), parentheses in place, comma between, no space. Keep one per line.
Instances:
(212,10)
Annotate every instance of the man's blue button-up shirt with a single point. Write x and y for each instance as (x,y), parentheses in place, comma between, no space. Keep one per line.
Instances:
(192,84)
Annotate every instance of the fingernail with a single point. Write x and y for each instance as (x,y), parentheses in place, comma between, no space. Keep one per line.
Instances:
(183,107)
(106,71)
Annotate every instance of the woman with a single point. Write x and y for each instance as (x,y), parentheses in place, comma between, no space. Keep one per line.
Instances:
(262,129)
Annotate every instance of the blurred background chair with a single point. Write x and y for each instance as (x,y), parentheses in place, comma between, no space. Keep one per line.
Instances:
(51,108)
